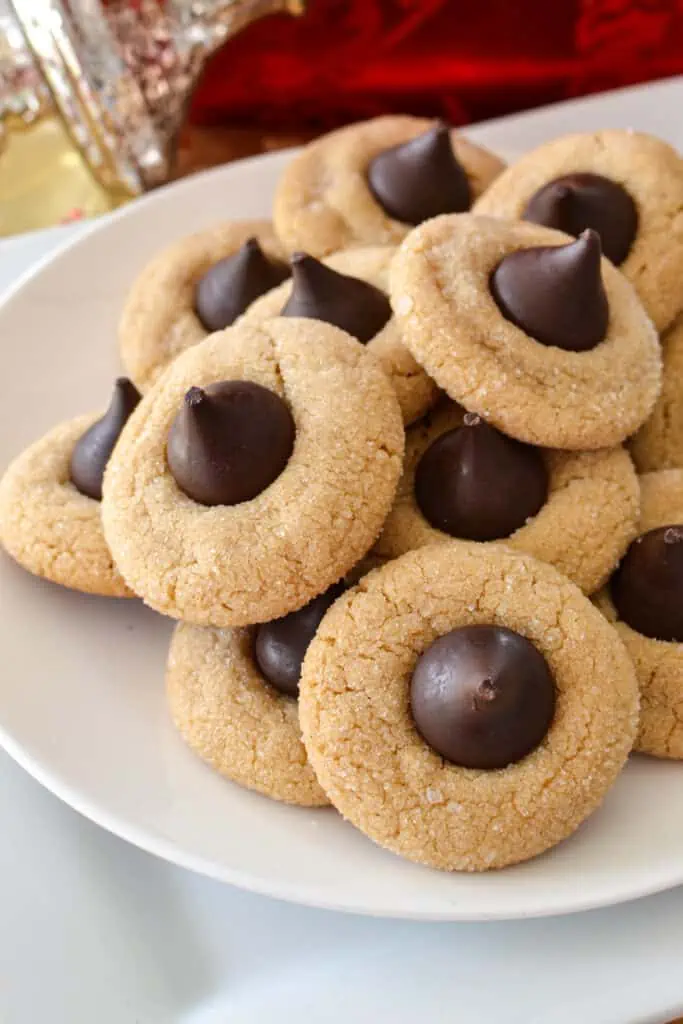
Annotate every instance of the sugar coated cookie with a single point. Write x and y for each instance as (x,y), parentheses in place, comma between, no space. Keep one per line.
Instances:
(233,718)
(626,185)
(331,297)
(532,330)
(198,285)
(644,600)
(255,474)
(50,513)
(465,707)
(366,184)
(659,442)
(462,478)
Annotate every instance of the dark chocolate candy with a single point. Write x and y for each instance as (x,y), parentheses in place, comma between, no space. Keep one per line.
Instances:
(555,293)
(647,587)
(578,201)
(320,293)
(92,451)
(280,645)
(232,284)
(229,441)
(421,178)
(475,483)
(482,696)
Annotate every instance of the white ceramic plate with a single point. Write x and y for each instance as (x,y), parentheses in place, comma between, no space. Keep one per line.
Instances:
(81,679)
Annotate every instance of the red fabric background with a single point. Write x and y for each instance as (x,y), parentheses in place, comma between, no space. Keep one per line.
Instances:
(464,59)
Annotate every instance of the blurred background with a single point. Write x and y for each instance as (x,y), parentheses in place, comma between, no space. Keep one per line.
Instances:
(102,100)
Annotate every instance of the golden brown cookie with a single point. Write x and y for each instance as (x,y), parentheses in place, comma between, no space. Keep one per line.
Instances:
(651,173)
(356,710)
(323,201)
(584,527)
(659,663)
(538,393)
(159,319)
(48,526)
(238,564)
(659,442)
(414,389)
(233,719)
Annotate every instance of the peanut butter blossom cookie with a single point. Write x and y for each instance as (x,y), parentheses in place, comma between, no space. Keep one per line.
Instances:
(233,693)
(465,707)
(462,478)
(50,518)
(625,185)
(659,442)
(366,184)
(255,474)
(644,599)
(199,285)
(350,290)
(533,331)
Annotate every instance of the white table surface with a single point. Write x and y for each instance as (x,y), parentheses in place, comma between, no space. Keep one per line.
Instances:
(95,931)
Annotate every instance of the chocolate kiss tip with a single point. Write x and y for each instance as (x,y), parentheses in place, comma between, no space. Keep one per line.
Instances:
(591,238)
(126,392)
(303,259)
(195,396)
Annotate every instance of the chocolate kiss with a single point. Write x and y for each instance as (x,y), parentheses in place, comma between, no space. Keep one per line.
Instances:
(421,178)
(477,484)
(229,441)
(647,588)
(482,696)
(232,284)
(91,453)
(555,293)
(280,645)
(575,202)
(320,293)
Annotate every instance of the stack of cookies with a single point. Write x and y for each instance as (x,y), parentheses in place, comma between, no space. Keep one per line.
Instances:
(380,459)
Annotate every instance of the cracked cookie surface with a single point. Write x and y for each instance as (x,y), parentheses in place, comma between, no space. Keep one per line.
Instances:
(48,526)
(414,389)
(659,663)
(648,169)
(587,522)
(233,719)
(323,202)
(260,559)
(535,393)
(158,321)
(659,442)
(354,709)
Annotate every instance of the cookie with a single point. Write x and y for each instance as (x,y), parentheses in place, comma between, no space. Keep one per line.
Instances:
(577,511)
(233,719)
(50,513)
(415,391)
(436,637)
(584,370)
(291,438)
(626,185)
(644,600)
(659,442)
(326,199)
(196,286)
